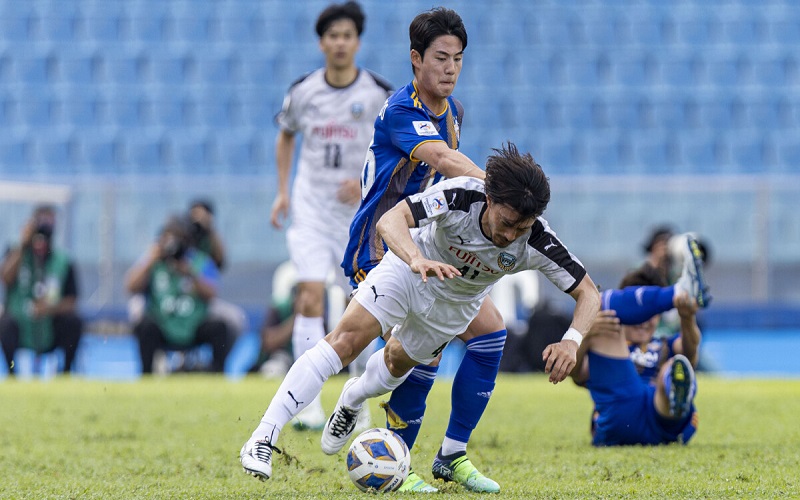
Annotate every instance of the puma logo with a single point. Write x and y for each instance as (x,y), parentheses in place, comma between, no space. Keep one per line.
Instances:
(375,291)
(550,245)
(462,240)
(296,402)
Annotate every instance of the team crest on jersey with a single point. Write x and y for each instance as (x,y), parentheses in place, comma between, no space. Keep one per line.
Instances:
(506,261)
(435,204)
(357,109)
(424,128)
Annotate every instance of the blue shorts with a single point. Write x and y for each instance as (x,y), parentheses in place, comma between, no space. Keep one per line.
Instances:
(624,411)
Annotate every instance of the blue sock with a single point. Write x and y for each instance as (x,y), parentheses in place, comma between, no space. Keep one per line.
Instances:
(637,304)
(474,383)
(406,405)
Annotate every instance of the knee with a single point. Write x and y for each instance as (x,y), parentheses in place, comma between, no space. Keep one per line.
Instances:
(488,320)
(347,344)
(397,360)
(310,299)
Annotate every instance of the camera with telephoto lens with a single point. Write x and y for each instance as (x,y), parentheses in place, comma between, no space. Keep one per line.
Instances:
(198,231)
(174,248)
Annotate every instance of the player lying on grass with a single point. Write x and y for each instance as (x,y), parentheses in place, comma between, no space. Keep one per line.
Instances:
(471,234)
(643,388)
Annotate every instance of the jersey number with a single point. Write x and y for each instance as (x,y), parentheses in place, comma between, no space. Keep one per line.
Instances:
(333,155)
(465,271)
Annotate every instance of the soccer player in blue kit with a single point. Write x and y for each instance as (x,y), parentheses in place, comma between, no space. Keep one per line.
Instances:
(643,387)
(415,144)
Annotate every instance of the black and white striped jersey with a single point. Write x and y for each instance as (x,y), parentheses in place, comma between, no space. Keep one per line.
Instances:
(449,215)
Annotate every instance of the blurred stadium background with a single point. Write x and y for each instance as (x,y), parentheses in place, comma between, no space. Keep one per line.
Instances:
(642,112)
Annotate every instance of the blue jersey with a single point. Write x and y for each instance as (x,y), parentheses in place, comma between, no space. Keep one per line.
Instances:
(391,173)
(648,360)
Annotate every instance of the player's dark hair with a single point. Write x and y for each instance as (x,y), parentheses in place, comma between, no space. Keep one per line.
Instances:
(516,180)
(644,275)
(335,11)
(431,24)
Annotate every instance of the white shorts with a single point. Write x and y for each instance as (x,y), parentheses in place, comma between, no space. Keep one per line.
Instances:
(317,256)
(395,295)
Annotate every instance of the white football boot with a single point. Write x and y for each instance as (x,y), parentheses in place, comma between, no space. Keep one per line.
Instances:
(256,458)
(341,425)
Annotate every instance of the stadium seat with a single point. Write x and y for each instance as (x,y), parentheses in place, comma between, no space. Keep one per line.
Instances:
(621,109)
(242,154)
(16,153)
(752,154)
(651,28)
(786,30)
(131,110)
(149,154)
(788,154)
(59,154)
(194,153)
(681,70)
(104,153)
(563,153)
(655,153)
(38,107)
(698,154)
(608,154)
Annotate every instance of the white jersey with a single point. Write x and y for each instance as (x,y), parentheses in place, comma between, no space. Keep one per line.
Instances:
(449,215)
(337,126)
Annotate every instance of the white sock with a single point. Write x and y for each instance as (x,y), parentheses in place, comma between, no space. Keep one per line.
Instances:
(450,446)
(375,381)
(306,333)
(301,385)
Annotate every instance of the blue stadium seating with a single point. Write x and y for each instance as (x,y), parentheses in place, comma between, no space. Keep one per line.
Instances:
(592,68)
(155,91)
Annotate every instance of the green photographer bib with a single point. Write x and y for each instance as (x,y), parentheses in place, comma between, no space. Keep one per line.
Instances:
(37,282)
(174,305)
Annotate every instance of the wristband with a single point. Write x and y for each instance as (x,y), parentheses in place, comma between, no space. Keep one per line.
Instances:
(574,335)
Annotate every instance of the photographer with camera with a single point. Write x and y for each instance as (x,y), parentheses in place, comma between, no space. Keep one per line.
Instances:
(41,293)
(178,282)
(206,238)
(204,234)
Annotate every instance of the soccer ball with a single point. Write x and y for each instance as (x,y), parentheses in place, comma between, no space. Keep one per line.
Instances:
(378,460)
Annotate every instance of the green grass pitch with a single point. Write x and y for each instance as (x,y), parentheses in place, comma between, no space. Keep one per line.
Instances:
(179,437)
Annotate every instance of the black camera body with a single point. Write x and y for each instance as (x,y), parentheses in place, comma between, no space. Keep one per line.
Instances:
(174,248)
(198,231)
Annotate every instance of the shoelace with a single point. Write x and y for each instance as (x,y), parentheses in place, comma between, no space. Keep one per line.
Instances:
(263,451)
(343,421)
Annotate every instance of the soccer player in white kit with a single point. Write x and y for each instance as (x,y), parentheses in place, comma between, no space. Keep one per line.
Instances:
(334,108)
(471,234)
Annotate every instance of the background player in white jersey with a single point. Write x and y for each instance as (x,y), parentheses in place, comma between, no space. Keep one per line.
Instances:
(334,109)
(498,229)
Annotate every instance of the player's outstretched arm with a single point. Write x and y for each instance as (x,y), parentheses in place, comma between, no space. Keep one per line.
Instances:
(560,358)
(393,227)
(284,149)
(448,162)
